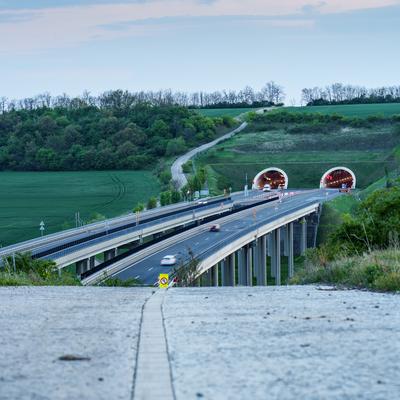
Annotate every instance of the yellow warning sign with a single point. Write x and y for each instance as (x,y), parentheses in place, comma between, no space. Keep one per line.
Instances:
(163,281)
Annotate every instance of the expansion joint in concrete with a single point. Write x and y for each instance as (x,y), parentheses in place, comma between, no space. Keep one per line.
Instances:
(153,377)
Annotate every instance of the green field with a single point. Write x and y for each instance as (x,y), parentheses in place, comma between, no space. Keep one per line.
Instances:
(220,112)
(352,110)
(30,197)
(304,157)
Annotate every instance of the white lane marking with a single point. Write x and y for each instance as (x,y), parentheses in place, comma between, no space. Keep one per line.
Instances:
(137,276)
(150,268)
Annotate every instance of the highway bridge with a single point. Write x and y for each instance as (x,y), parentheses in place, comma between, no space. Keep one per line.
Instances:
(238,253)
(252,225)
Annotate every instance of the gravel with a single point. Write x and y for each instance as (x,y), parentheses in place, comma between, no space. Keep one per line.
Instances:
(283,343)
(69,343)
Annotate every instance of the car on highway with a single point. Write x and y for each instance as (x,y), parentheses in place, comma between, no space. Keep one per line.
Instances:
(215,228)
(267,187)
(202,202)
(168,260)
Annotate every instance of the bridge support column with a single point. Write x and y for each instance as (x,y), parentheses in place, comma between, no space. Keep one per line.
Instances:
(269,244)
(230,270)
(224,272)
(110,254)
(303,238)
(256,258)
(241,267)
(215,275)
(207,278)
(290,250)
(285,234)
(262,261)
(92,262)
(81,266)
(272,250)
(276,259)
(249,266)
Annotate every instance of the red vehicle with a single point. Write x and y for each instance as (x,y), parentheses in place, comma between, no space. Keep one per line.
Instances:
(215,228)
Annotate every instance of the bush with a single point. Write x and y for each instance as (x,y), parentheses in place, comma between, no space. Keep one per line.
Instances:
(139,207)
(175,197)
(151,203)
(165,198)
(30,271)
(187,168)
(379,270)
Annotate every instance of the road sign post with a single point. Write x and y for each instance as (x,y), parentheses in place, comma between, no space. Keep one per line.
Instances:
(163,281)
(41,228)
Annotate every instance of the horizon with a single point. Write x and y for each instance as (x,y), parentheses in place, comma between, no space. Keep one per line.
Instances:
(195,46)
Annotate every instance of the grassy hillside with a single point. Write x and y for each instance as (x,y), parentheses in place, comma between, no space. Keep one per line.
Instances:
(304,156)
(54,197)
(220,112)
(352,110)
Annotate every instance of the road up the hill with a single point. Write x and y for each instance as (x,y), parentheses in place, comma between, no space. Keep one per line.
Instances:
(176,168)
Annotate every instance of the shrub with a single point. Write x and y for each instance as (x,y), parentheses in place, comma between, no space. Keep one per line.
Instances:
(379,270)
(139,207)
(151,203)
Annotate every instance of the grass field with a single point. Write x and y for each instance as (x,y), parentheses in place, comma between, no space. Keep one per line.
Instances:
(304,157)
(220,112)
(30,197)
(352,110)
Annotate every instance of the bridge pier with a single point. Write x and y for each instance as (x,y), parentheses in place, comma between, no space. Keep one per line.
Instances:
(285,235)
(290,250)
(207,278)
(248,265)
(276,256)
(215,275)
(110,254)
(224,272)
(272,250)
(241,267)
(269,244)
(92,262)
(303,236)
(82,266)
(230,270)
(261,264)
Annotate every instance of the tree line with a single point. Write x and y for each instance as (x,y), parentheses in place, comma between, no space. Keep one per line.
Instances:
(113,135)
(339,93)
(270,94)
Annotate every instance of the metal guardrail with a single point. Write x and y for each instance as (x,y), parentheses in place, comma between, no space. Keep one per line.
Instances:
(39,246)
(130,260)
(208,257)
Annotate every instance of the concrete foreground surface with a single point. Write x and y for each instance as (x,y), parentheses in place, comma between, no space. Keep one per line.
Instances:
(222,343)
(41,324)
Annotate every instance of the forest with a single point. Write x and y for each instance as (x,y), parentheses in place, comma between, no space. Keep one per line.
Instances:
(114,132)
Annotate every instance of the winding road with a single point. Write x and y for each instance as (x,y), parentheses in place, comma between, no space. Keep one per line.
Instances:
(176,168)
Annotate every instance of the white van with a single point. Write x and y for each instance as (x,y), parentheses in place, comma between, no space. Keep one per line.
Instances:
(267,188)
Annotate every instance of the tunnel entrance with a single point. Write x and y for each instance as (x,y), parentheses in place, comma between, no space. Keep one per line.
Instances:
(337,178)
(274,177)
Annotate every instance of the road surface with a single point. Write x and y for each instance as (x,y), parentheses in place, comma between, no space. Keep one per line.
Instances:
(176,168)
(148,269)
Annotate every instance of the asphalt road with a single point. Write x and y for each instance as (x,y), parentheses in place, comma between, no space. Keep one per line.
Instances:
(176,168)
(205,243)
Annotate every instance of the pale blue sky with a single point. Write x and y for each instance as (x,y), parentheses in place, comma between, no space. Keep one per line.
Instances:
(73,45)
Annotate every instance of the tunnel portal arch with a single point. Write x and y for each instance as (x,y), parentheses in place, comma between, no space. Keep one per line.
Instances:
(273,176)
(338,177)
